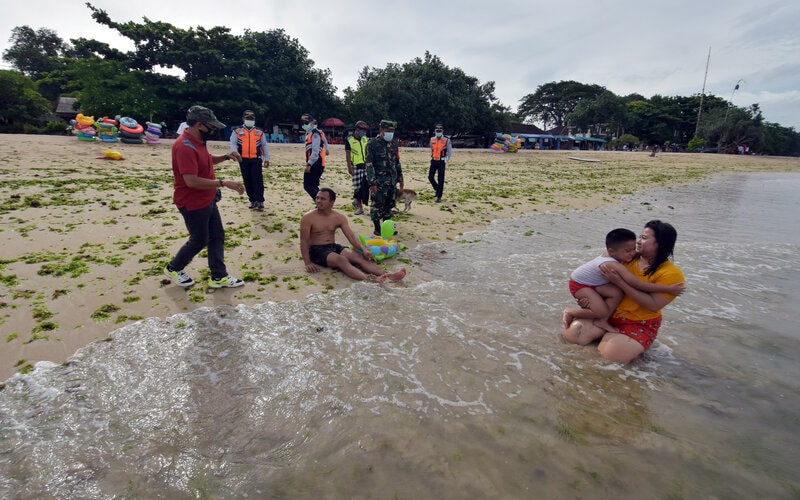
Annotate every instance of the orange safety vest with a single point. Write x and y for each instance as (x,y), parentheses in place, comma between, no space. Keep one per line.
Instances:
(321,145)
(249,142)
(438,147)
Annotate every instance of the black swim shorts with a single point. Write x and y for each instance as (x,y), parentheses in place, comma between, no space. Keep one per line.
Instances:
(319,253)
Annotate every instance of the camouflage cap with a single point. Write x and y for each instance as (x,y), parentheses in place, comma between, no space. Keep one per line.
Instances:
(201,114)
(388,124)
(307,118)
(249,113)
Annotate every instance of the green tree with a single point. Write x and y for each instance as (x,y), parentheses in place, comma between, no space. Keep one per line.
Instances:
(34,52)
(552,102)
(732,127)
(268,72)
(420,93)
(624,140)
(778,140)
(600,115)
(20,103)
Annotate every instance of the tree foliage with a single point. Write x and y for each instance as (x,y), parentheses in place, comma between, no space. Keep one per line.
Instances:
(268,72)
(552,102)
(20,103)
(34,52)
(420,93)
(170,69)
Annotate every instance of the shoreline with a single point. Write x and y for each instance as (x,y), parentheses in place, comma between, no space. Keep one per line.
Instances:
(86,238)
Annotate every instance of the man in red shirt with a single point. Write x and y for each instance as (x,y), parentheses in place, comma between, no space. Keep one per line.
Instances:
(197,191)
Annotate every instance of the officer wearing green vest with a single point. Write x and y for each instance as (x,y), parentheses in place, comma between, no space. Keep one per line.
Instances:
(355,154)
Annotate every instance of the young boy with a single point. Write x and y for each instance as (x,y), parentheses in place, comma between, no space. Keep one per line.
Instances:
(586,282)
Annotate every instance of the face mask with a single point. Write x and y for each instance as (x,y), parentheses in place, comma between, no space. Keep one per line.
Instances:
(388,136)
(308,127)
(207,134)
(438,134)
(249,123)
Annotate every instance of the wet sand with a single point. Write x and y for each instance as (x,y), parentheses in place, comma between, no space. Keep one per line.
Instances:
(86,239)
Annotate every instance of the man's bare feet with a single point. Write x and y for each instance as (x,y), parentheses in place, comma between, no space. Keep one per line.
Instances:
(605,325)
(566,319)
(395,276)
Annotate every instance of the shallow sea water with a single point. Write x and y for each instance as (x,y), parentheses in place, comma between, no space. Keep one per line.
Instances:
(454,385)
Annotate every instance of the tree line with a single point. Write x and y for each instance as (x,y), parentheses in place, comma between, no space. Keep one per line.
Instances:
(272,74)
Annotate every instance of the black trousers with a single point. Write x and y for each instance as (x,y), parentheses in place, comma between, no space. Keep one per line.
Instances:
(253,178)
(437,170)
(311,179)
(205,231)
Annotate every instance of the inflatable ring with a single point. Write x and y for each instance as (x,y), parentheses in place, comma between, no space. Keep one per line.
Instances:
(84,137)
(135,130)
(131,140)
(153,131)
(129,135)
(108,120)
(109,138)
(86,121)
(154,125)
(128,122)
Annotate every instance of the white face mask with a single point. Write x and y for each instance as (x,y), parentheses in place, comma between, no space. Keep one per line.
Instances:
(388,136)
(249,123)
(308,127)
(438,134)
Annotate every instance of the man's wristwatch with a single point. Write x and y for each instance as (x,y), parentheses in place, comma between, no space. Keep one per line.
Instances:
(221,183)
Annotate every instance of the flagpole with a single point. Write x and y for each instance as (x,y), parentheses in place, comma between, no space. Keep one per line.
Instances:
(702,93)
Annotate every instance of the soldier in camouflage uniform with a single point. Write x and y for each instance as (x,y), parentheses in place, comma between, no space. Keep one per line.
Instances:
(383,173)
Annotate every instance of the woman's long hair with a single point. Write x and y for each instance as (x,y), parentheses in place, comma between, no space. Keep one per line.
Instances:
(665,235)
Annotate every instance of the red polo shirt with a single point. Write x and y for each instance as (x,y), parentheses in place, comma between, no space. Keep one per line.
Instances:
(190,156)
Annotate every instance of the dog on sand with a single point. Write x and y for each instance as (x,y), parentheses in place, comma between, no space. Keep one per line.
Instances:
(406,195)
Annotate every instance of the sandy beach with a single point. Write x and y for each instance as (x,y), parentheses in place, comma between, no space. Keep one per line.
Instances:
(86,239)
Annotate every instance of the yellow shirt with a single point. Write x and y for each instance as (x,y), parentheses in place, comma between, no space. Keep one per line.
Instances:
(666,274)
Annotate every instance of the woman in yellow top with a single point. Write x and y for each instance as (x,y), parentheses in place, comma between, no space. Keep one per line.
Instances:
(638,316)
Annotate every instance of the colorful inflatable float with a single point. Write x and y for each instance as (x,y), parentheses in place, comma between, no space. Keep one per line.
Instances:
(507,144)
(130,131)
(152,134)
(383,246)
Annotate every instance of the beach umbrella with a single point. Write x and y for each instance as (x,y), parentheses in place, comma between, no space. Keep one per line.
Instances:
(332,122)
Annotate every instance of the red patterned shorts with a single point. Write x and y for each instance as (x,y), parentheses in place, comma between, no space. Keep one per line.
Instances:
(574,286)
(643,331)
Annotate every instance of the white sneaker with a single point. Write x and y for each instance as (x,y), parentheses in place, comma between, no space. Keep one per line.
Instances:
(226,282)
(180,278)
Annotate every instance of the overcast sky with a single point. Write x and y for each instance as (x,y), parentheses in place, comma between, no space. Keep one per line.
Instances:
(627,46)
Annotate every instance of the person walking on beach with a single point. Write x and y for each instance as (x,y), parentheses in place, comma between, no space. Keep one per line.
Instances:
(355,155)
(587,282)
(251,143)
(316,152)
(319,248)
(384,172)
(638,317)
(196,192)
(441,150)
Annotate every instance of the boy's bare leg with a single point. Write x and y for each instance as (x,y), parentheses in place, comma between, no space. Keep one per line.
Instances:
(596,310)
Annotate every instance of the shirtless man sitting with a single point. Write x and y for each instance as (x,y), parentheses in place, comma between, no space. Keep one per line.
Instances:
(319,248)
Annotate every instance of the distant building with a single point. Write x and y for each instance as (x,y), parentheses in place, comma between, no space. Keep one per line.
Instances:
(64,109)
